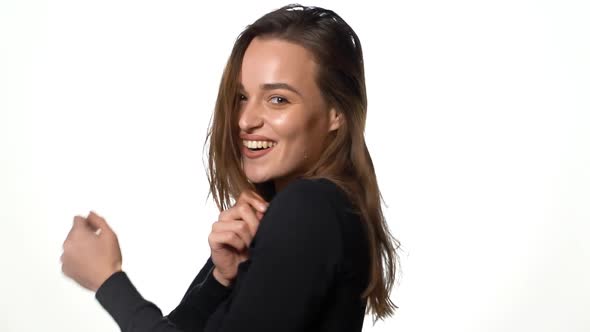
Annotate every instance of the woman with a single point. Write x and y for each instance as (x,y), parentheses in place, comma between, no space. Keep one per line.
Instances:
(303,246)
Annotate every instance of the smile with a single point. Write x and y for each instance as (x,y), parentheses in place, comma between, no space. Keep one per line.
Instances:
(256,145)
(255,149)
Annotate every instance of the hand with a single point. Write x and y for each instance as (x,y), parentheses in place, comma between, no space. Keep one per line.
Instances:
(232,234)
(91,252)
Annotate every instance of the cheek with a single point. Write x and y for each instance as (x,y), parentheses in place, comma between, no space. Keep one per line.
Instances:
(284,125)
(299,144)
(296,125)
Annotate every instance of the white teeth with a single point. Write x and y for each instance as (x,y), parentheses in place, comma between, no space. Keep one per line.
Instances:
(258,144)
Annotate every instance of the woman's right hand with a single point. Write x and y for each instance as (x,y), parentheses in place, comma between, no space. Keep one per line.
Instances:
(232,234)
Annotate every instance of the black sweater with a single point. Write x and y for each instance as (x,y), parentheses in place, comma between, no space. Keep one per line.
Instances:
(308,264)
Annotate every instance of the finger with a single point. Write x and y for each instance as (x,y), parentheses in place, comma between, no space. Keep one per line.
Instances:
(253,193)
(78,223)
(236,211)
(97,222)
(240,227)
(218,239)
(244,211)
(257,196)
(65,269)
(253,199)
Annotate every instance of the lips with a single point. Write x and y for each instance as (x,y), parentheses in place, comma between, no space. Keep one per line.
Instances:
(255,154)
(255,138)
(251,137)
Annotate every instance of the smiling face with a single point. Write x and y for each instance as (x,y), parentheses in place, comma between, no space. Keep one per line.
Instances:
(281,106)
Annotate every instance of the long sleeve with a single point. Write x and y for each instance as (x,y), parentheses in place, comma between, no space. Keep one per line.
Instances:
(288,280)
(293,265)
(119,297)
(200,300)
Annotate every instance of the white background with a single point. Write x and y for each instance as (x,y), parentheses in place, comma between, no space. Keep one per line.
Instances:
(478,125)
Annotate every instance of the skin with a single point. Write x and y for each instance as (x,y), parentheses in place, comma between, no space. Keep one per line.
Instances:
(91,256)
(298,121)
(281,101)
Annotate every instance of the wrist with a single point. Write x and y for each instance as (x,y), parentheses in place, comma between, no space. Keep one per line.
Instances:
(225,282)
(105,277)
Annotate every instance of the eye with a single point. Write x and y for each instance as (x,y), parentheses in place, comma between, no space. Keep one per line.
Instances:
(241,97)
(280,100)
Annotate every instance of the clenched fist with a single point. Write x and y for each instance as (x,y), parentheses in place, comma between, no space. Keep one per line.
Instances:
(232,234)
(91,252)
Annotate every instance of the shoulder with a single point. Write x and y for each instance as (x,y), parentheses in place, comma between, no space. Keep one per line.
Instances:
(319,202)
(306,211)
(314,192)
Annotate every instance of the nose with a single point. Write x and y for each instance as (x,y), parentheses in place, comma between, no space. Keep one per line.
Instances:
(250,116)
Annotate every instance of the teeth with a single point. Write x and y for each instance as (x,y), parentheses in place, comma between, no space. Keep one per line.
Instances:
(258,144)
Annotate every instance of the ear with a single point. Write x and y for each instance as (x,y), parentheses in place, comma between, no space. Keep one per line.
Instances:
(336,119)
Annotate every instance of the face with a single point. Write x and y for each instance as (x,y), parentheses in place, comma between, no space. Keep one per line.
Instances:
(282,112)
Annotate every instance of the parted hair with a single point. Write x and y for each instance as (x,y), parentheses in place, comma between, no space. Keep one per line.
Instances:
(345,159)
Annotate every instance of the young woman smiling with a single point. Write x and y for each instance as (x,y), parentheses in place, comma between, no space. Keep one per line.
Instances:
(301,243)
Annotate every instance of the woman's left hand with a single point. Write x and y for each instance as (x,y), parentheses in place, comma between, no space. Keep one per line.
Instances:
(91,252)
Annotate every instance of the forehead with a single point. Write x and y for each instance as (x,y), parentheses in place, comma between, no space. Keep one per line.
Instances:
(272,60)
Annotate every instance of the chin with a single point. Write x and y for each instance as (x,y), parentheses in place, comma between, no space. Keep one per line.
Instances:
(257,177)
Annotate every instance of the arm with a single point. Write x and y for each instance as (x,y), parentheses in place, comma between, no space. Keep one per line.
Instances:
(119,297)
(291,271)
(293,264)
(203,296)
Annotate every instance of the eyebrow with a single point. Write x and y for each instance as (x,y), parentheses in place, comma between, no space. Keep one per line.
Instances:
(273,86)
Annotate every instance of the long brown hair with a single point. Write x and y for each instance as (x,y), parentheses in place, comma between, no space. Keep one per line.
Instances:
(345,160)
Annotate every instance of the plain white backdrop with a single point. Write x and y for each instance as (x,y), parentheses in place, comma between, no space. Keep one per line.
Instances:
(478,125)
